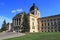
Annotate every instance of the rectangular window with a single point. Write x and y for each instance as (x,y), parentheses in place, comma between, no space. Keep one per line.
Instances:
(58,18)
(51,23)
(58,22)
(55,30)
(33,27)
(54,23)
(51,27)
(47,20)
(51,30)
(45,24)
(48,31)
(17,21)
(48,27)
(54,19)
(48,24)
(42,24)
(50,19)
(55,27)
(33,19)
(44,20)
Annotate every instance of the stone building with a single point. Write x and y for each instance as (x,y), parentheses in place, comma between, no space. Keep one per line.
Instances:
(49,24)
(37,23)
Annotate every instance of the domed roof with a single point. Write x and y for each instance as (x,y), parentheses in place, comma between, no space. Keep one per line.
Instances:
(33,7)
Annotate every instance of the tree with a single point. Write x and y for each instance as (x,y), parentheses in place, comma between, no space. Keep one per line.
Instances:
(7,26)
(0,30)
(4,26)
(25,23)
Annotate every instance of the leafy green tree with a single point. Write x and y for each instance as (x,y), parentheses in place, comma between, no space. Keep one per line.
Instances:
(4,26)
(25,23)
(7,26)
(0,30)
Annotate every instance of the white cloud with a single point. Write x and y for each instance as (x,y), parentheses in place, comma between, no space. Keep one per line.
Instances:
(17,10)
(13,11)
(2,18)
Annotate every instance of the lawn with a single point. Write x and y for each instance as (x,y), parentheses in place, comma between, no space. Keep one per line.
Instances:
(39,36)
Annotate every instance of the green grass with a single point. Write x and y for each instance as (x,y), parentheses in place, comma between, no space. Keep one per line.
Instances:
(39,36)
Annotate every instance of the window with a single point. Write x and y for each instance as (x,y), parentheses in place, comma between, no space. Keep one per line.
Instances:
(45,27)
(54,19)
(33,19)
(47,20)
(32,12)
(59,27)
(45,24)
(58,18)
(42,24)
(48,31)
(51,23)
(58,22)
(54,23)
(51,27)
(55,27)
(45,31)
(42,28)
(42,31)
(41,21)
(48,27)
(17,21)
(59,30)
(50,19)
(48,24)
(55,30)
(33,31)
(51,30)
(33,27)
(44,20)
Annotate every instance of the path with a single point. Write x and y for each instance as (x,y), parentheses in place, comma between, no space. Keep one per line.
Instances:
(10,35)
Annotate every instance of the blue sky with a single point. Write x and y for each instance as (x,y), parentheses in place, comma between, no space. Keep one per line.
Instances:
(9,8)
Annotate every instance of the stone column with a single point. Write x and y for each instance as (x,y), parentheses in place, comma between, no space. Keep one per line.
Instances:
(16,22)
(53,26)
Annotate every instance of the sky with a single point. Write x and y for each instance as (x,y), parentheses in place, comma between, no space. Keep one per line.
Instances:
(9,8)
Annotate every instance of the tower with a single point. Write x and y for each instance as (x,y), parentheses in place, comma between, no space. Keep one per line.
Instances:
(35,11)
(33,16)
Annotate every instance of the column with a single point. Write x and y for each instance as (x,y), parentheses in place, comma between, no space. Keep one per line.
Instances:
(16,22)
(13,22)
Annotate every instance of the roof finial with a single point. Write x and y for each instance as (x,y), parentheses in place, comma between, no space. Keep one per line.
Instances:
(33,4)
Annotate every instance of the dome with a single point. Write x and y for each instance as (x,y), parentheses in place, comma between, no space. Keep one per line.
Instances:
(33,7)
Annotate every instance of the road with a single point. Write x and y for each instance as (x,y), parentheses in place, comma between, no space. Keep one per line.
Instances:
(10,35)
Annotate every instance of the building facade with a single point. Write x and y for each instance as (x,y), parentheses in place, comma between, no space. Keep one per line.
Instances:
(37,23)
(49,24)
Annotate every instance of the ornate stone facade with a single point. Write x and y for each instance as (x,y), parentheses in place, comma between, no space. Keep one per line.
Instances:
(37,23)
(49,24)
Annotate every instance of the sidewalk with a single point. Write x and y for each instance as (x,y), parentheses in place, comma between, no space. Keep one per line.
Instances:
(10,35)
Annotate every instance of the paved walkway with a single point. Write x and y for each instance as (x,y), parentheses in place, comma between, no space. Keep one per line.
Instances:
(10,35)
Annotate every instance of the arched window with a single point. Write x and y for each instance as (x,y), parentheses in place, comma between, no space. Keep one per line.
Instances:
(48,24)
(51,23)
